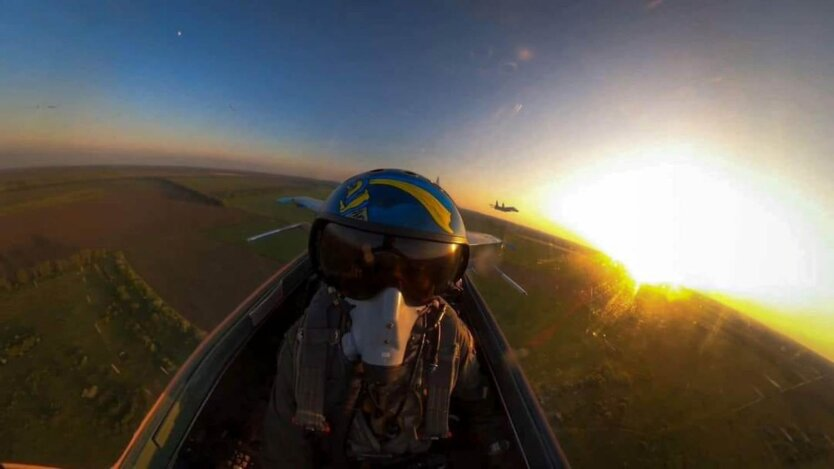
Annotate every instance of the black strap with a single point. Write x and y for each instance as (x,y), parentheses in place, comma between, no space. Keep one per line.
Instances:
(441,376)
(315,336)
(343,418)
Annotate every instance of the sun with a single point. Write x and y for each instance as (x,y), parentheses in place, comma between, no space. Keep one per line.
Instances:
(678,216)
(643,215)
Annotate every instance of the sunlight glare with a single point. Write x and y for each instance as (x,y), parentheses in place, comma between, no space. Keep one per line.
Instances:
(676,215)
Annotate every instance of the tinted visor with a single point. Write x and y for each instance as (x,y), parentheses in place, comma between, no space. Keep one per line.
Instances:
(360,264)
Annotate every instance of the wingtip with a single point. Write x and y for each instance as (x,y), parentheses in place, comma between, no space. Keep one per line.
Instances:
(510,281)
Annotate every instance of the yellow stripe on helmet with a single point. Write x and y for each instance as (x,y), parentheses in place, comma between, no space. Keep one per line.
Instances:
(352,190)
(354,203)
(439,213)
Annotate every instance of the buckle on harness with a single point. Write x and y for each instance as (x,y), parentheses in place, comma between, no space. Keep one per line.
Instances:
(320,335)
(325,426)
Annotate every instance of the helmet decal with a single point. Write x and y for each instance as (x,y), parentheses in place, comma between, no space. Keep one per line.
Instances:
(355,205)
(355,187)
(439,213)
(398,203)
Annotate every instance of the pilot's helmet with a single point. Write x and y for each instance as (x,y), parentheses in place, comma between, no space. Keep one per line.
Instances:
(389,228)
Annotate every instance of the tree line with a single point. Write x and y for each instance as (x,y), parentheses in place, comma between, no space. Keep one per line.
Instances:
(51,268)
(86,259)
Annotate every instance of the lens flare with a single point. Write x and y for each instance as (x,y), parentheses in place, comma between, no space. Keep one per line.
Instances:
(680,216)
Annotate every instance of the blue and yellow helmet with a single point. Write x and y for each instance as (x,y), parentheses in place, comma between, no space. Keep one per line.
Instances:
(396,202)
(389,228)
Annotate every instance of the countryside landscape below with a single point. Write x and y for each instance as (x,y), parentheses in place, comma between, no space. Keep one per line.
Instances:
(111,276)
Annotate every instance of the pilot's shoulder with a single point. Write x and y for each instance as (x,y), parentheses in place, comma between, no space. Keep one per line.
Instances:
(318,304)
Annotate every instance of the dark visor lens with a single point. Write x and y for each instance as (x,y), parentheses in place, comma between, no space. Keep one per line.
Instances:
(360,264)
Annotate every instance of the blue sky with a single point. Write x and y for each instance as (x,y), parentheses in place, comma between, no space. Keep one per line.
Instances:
(369,83)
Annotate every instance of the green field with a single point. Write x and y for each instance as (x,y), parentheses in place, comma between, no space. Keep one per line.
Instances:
(656,376)
(101,272)
(84,352)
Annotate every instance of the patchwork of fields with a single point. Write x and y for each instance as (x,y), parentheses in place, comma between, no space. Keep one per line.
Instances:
(88,341)
(183,230)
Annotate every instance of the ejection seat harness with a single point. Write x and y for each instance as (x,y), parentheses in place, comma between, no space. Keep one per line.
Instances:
(319,338)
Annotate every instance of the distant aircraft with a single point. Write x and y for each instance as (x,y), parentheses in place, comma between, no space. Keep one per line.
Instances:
(503,208)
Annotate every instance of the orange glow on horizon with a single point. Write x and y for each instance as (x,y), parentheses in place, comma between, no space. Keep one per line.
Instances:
(679,215)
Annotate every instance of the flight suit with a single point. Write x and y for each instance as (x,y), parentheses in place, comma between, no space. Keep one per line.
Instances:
(371,417)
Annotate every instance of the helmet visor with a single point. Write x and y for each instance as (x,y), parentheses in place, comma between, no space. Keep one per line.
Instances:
(360,264)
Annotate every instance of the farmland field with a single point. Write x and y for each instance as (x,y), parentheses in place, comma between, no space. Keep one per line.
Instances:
(189,245)
(84,351)
(656,376)
(65,332)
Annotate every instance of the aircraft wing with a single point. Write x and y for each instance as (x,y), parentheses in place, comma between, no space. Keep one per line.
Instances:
(481,245)
(483,255)
(302,202)
(473,237)
(481,239)
(509,280)
(276,231)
